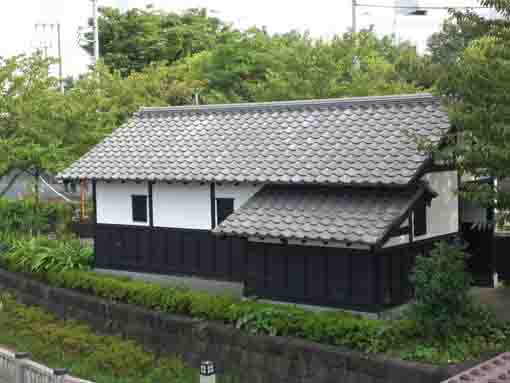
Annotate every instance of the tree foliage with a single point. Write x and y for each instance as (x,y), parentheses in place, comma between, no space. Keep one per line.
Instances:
(257,66)
(131,41)
(42,129)
(475,87)
(29,105)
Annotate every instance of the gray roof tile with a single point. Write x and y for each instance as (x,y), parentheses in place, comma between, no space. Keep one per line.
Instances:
(354,215)
(370,140)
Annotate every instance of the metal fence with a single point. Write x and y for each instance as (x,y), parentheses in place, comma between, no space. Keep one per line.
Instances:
(17,368)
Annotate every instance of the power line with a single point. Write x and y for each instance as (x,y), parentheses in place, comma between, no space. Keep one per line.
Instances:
(414,7)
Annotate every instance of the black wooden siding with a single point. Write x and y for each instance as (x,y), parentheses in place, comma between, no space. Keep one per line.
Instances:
(357,279)
(169,251)
(332,276)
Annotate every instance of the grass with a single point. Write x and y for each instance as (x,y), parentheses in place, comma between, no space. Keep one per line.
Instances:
(72,345)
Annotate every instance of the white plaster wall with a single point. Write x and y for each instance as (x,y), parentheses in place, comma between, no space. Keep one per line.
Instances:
(189,206)
(443,212)
(241,193)
(114,202)
(182,206)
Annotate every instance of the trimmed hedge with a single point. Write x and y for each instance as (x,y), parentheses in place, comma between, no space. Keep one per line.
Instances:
(329,327)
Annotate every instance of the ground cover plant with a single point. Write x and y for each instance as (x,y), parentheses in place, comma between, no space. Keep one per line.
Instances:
(40,254)
(103,359)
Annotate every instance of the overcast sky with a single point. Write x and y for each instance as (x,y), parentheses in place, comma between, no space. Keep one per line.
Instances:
(322,18)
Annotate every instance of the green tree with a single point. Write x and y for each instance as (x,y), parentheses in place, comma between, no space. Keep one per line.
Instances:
(42,129)
(475,88)
(29,101)
(476,91)
(132,40)
(446,45)
(257,66)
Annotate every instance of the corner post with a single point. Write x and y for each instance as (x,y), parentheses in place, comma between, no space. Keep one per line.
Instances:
(151,205)
(19,359)
(213,205)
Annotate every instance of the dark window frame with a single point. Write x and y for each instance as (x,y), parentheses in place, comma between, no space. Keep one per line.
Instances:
(420,219)
(137,213)
(222,212)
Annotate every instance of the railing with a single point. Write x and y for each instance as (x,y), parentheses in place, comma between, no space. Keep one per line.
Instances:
(17,368)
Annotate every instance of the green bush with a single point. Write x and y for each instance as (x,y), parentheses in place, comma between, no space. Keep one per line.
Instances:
(27,216)
(442,304)
(39,254)
(335,327)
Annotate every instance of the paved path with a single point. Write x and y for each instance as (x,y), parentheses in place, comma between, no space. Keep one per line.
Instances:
(497,300)
(197,284)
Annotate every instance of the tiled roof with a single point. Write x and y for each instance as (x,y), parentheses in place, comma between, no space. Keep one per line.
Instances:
(495,370)
(368,140)
(353,215)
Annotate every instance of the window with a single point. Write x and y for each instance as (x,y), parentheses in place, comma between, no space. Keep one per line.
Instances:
(420,219)
(225,207)
(139,203)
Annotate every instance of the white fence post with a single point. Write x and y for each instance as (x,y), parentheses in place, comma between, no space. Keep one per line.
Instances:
(19,358)
(59,375)
(207,372)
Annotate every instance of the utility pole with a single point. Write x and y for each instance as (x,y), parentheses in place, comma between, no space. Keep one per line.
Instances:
(59,49)
(96,30)
(48,44)
(354,26)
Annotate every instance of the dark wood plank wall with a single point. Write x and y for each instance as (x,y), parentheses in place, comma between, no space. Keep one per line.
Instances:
(332,276)
(303,274)
(316,275)
(169,251)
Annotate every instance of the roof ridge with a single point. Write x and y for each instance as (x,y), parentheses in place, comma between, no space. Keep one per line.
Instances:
(298,103)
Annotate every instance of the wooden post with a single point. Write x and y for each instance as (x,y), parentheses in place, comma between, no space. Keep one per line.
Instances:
(83,187)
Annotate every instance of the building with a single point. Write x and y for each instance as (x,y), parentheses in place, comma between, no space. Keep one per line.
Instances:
(321,202)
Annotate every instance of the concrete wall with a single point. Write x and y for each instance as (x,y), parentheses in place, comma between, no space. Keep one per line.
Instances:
(176,205)
(249,358)
(443,212)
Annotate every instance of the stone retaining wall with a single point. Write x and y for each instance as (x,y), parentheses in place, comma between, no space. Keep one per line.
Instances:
(253,359)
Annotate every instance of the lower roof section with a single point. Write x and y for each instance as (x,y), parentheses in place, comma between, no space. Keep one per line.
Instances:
(333,215)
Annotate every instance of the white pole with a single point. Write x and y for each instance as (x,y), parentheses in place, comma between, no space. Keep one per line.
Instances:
(354,26)
(96,30)
(59,45)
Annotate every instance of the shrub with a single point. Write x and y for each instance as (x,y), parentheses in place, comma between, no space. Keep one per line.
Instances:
(39,254)
(442,304)
(27,216)
(334,328)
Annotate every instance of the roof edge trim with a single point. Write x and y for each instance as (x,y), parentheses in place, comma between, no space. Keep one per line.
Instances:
(297,103)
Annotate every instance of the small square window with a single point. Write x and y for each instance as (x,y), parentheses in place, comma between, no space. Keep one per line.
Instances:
(225,207)
(139,204)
